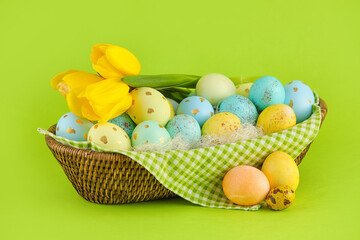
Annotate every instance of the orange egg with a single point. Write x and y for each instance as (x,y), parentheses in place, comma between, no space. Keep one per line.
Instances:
(245,185)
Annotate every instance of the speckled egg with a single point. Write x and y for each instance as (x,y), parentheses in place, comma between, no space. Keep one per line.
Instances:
(215,87)
(221,124)
(185,125)
(280,197)
(174,103)
(72,127)
(276,118)
(242,107)
(300,98)
(197,107)
(125,122)
(149,104)
(109,136)
(243,89)
(266,91)
(149,132)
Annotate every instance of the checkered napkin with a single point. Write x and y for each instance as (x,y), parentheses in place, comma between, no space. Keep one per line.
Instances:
(196,175)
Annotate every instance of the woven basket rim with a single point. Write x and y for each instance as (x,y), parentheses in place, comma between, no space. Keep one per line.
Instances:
(67,149)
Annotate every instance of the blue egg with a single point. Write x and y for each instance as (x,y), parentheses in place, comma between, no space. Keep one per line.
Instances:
(185,125)
(197,107)
(149,132)
(125,122)
(242,107)
(301,98)
(174,103)
(266,91)
(72,127)
(193,93)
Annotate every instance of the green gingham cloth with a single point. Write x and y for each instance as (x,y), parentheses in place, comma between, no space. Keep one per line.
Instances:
(196,175)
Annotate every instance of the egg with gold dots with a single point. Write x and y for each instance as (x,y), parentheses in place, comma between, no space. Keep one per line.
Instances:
(149,132)
(72,127)
(196,107)
(109,136)
(149,104)
(300,98)
(243,89)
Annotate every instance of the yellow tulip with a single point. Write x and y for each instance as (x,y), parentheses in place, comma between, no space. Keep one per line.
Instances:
(73,80)
(112,61)
(100,101)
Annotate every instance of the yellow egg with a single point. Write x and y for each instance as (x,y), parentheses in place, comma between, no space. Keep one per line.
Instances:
(281,169)
(280,197)
(149,104)
(276,118)
(109,136)
(243,89)
(221,124)
(172,111)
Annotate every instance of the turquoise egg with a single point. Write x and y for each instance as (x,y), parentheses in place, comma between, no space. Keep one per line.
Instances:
(72,127)
(193,93)
(174,103)
(149,132)
(125,122)
(300,98)
(185,125)
(266,91)
(242,107)
(197,107)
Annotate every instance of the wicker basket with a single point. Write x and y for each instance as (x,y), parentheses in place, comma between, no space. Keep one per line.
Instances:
(113,178)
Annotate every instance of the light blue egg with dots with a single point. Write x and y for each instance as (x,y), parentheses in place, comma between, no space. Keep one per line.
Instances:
(300,98)
(197,107)
(125,122)
(174,103)
(186,126)
(72,127)
(266,91)
(149,132)
(242,107)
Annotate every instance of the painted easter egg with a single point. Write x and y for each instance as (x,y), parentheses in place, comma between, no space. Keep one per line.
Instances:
(242,107)
(72,127)
(276,118)
(215,87)
(125,122)
(149,132)
(266,91)
(280,197)
(243,89)
(197,107)
(221,124)
(245,185)
(172,111)
(109,136)
(281,169)
(174,103)
(193,93)
(185,125)
(300,98)
(149,104)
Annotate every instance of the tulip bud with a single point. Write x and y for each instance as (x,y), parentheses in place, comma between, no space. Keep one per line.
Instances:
(112,61)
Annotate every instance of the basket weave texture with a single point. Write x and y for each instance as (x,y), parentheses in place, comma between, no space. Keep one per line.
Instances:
(113,178)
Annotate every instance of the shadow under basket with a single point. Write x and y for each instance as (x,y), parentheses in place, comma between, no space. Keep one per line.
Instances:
(113,178)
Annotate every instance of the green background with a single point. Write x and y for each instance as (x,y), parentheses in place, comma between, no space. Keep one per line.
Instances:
(313,41)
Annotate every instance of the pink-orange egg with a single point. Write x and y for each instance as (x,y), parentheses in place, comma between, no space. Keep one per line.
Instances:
(245,185)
